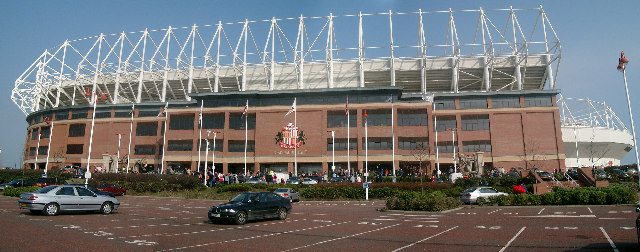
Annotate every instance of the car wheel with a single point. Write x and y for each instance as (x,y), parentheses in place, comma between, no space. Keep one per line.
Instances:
(123,193)
(106,208)
(51,209)
(282,214)
(241,218)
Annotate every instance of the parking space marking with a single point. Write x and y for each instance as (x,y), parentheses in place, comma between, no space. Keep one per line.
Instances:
(492,227)
(541,211)
(258,236)
(401,248)
(344,237)
(609,239)
(627,228)
(588,208)
(512,239)
(495,211)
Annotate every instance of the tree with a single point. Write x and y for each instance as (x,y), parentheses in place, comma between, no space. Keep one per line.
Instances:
(420,154)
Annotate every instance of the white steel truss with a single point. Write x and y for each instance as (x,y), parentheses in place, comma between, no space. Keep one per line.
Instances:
(169,64)
(588,113)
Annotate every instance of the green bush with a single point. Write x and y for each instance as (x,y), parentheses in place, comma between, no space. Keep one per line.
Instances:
(411,201)
(16,191)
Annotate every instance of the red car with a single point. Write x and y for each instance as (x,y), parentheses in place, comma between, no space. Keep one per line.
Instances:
(43,182)
(115,189)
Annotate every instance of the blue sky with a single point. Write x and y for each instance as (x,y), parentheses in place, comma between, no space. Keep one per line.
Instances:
(592,34)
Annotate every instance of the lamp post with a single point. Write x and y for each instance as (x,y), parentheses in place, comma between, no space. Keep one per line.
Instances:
(622,63)
(206,159)
(453,144)
(118,155)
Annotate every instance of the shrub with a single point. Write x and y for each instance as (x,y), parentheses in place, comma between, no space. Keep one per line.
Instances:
(409,202)
(16,191)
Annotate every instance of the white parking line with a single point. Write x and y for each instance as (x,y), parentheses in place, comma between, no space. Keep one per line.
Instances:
(541,211)
(401,248)
(609,239)
(512,239)
(344,237)
(588,208)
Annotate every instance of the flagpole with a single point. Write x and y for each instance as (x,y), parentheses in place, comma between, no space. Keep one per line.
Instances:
(93,117)
(206,158)
(200,134)
(213,154)
(366,148)
(393,144)
(348,138)
(435,128)
(118,155)
(246,127)
(49,147)
(133,106)
(295,142)
(164,138)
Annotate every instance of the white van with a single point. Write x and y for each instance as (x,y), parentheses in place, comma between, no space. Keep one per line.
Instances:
(454,176)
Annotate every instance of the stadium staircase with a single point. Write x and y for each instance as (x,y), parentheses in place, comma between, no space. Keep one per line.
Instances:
(584,180)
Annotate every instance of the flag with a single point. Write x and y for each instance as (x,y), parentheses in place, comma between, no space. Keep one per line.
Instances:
(293,107)
(163,110)
(428,98)
(246,107)
(346,107)
(365,116)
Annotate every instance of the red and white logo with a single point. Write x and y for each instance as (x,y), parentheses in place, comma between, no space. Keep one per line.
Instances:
(290,137)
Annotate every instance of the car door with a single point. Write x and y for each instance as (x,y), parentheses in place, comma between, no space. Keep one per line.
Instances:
(87,200)
(66,199)
(294,195)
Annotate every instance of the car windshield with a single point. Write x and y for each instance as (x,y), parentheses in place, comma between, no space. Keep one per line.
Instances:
(256,178)
(45,189)
(294,178)
(245,197)
(282,190)
(470,189)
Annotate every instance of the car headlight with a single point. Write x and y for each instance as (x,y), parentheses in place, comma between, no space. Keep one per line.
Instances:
(228,210)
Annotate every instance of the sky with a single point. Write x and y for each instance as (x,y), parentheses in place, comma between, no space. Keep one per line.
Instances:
(592,34)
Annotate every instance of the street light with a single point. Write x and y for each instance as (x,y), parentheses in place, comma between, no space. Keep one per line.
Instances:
(622,63)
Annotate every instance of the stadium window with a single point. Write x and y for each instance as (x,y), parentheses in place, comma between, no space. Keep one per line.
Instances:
(237,121)
(79,114)
(445,104)
(505,102)
(147,129)
(42,150)
(62,115)
(446,147)
(537,101)
(377,143)
(144,150)
(45,131)
(122,113)
(181,122)
(75,148)
(473,103)
(103,113)
(341,144)
(76,130)
(219,144)
(338,118)
(180,145)
(475,146)
(213,121)
(238,146)
(32,151)
(378,117)
(444,123)
(36,119)
(34,133)
(475,122)
(413,143)
(148,112)
(412,117)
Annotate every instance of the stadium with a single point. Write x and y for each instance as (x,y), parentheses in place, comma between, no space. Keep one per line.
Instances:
(463,90)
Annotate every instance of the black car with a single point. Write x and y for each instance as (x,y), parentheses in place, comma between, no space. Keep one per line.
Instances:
(17,183)
(251,206)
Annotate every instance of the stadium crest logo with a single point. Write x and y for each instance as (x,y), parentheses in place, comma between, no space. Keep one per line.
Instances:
(287,137)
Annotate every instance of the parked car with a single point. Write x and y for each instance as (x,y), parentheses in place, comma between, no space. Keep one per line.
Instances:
(309,181)
(251,206)
(115,189)
(601,174)
(294,180)
(513,175)
(573,174)
(631,171)
(17,183)
(256,180)
(94,190)
(619,172)
(51,200)
(337,180)
(472,194)
(43,182)
(288,193)
(544,175)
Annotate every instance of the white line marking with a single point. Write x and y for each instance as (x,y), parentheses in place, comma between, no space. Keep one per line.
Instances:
(541,211)
(425,239)
(345,237)
(385,219)
(609,239)
(611,218)
(512,239)
(627,228)
(561,216)
(588,208)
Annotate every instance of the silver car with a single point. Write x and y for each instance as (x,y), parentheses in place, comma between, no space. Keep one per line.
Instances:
(54,199)
(472,194)
(288,193)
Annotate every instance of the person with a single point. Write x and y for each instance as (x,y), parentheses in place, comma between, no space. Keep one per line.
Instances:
(358,179)
(282,180)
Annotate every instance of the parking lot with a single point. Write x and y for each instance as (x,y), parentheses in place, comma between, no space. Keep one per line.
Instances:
(174,224)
